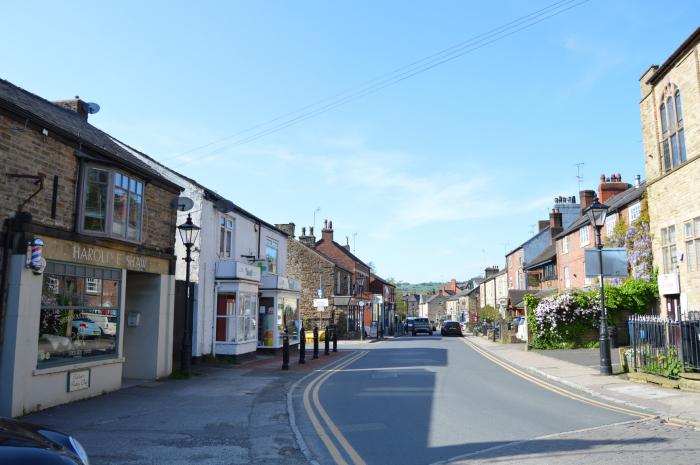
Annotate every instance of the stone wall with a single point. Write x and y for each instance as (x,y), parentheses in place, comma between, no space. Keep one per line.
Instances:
(674,197)
(25,150)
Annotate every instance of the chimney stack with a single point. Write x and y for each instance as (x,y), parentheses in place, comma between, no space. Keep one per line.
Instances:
(587,198)
(289,228)
(75,104)
(610,187)
(542,225)
(555,222)
(490,271)
(310,240)
(327,233)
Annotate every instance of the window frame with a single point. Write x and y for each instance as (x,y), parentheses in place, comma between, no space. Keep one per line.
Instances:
(669,248)
(581,238)
(565,244)
(691,240)
(634,211)
(274,244)
(109,207)
(224,229)
(672,130)
(610,223)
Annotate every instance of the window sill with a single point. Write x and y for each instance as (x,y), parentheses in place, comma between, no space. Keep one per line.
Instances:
(236,343)
(76,366)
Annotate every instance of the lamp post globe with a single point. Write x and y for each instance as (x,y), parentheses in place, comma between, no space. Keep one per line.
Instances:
(597,212)
(188,233)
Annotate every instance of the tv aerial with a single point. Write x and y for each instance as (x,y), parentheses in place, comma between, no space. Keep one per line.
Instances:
(92,108)
(182,204)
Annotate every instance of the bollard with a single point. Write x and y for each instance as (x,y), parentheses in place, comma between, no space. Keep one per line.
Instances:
(326,343)
(285,352)
(315,342)
(335,339)
(302,346)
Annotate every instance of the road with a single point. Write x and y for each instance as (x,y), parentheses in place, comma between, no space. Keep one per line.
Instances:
(422,400)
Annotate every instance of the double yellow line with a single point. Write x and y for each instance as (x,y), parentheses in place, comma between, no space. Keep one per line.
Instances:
(554,388)
(313,405)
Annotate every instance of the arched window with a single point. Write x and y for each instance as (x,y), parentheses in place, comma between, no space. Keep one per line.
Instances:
(672,136)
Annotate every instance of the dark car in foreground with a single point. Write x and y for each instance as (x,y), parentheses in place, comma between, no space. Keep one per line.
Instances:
(421,325)
(27,444)
(451,328)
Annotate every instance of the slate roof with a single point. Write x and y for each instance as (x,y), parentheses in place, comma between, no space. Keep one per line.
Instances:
(71,125)
(458,295)
(614,204)
(546,256)
(346,252)
(516,296)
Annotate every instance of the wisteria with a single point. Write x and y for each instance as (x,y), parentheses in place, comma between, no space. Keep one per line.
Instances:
(638,242)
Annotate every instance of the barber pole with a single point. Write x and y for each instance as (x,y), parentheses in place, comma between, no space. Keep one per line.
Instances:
(37,262)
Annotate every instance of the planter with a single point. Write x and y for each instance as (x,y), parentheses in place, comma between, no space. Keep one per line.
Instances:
(690,382)
(639,377)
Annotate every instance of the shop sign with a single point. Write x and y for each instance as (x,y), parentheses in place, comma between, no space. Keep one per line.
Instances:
(669,284)
(58,249)
(78,380)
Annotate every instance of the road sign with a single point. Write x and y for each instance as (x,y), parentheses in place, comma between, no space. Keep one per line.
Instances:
(321,303)
(614,262)
(319,291)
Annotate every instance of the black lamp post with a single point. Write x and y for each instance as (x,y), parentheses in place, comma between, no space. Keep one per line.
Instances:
(188,234)
(596,215)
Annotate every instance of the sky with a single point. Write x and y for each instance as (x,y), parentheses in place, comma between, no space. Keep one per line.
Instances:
(432,178)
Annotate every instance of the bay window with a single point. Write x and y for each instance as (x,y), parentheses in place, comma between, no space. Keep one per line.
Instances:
(112,204)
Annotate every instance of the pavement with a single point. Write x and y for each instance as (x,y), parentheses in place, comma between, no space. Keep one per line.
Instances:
(224,415)
(575,369)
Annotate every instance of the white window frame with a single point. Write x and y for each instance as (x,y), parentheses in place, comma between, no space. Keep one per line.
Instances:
(93,286)
(567,278)
(584,238)
(109,207)
(669,248)
(271,243)
(635,210)
(565,244)
(226,231)
(691,235)
(610,223)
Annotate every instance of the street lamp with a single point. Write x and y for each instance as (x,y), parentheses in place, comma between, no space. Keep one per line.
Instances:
(596,215)
(188,234)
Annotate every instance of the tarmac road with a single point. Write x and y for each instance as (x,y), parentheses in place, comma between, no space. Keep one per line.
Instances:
(422,400)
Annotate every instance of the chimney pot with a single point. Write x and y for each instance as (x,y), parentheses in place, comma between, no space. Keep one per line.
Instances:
(303,230)
(637,181)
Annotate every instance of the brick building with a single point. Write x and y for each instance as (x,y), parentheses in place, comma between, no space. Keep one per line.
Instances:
(623,206)
(316,271)
(356,307)
(383,303)
(670,115)
(96,306)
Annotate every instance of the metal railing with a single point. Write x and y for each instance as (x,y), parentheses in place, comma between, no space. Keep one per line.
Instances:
(664,346)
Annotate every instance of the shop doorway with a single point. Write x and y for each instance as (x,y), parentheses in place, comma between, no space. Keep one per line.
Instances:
(142,325)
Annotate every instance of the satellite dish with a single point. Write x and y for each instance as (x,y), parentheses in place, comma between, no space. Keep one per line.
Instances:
(92,108)
(182,204)
(224,206)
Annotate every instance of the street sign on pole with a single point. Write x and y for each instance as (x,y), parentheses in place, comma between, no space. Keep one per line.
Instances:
(614,262)
(319,291)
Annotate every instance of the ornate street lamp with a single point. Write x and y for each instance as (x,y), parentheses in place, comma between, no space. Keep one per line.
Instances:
(188,233)
(596,215)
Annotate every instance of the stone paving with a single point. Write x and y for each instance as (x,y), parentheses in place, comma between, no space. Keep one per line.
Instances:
(651,442)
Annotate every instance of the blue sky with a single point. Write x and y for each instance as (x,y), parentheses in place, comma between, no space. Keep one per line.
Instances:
(437,175)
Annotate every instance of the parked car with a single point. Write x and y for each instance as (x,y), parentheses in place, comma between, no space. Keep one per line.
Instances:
(108,324)
(82,327)
(421,325)
(451,328)
(409,324)
(27,444)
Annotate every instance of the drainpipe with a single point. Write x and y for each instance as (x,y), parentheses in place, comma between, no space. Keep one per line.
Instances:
(3,278)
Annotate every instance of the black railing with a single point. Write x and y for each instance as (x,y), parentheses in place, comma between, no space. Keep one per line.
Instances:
(663,346)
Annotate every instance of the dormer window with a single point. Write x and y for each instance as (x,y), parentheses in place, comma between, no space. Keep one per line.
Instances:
(112,204)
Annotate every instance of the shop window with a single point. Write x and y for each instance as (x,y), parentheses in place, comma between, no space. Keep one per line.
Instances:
(235,317)
(79,317)
(288,318)
(225,237)
(112,204)
(271,248)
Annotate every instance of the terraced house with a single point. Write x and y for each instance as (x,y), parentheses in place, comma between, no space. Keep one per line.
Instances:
(88,264)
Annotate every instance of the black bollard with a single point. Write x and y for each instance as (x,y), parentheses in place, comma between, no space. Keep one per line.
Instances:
(285,352)
(315,342)
(335,338)
(326,343)
(302,346)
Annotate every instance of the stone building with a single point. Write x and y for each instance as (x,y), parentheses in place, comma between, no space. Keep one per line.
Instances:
(91,303)
(316,271)
(383,304)
(670,115)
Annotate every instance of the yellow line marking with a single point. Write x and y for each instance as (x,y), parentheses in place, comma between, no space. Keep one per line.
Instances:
(553,388)
(327,441)
(354,456)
